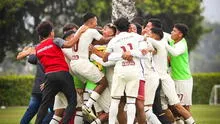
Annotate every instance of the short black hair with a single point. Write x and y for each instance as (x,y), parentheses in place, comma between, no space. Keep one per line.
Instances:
(122,24)
(69,26)
(138,20)
(44,29)
(113,27)
(88,16)
(157,31)
(155,22)
(139,28)
(68,33)
(183,28)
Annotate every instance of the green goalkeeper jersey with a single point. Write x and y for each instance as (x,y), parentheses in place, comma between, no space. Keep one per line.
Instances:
(180,69)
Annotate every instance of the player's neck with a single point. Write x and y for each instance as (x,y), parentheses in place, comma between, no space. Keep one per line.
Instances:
(178,40)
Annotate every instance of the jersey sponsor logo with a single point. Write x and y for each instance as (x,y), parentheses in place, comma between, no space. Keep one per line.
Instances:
(45,48)
(75,57)
(128,63)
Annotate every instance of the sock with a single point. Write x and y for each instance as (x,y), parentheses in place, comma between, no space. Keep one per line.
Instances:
(179,121)
(94,96)
(131,110)
(190,120)
(85,97)
(113,111)
(78,118)
(150,116)
(55,119)
(97,121)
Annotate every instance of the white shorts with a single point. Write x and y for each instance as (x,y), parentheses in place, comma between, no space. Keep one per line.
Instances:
(126,80)
(151,84)
(86,70)
(168,94)
(184,91)
(60,101)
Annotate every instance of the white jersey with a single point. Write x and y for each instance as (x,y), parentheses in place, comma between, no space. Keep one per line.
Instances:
(126,42)
(68,53)
(160,58)
(81,49)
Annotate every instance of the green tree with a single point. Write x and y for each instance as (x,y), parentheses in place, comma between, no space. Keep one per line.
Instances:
(17,31)
(175,11)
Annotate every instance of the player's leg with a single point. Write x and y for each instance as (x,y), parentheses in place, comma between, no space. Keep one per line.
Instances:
(151,84)
(170,91)
(60,104)
(69,91)
(140,114)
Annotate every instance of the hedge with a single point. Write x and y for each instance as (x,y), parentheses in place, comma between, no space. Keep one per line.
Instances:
(16,90)
(203,83)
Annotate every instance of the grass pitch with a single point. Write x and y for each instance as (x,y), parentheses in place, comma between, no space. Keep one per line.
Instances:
(203,114)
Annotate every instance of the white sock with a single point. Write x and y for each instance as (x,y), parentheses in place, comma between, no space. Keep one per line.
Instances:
(150,116)
(179,121)
(113,111)
(97,121)
(55,119)
(85,97)
(190,120)
(94,96)
(78,118)
(131,110)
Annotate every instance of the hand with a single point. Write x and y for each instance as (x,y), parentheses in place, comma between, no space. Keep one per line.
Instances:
(79,91)
(42,86)
(91,47)
(83,28)
(127,56)
(144,51)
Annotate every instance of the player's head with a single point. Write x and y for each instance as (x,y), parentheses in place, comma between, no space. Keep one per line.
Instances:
(179,31)
(109,30)
(152,23)
(68,34)
(122,24)
(156,33)
(70,26)
(139,28)
(132,28)
(90,20)
(45,30)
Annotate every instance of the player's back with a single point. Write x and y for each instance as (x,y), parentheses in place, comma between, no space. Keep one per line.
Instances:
(126,42)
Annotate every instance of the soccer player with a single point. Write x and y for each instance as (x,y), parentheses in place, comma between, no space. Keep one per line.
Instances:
(81,55)
(179,60)
(127,74)
(56,69)
(168,87)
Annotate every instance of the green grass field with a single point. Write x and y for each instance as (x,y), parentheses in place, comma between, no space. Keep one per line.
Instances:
(203,114)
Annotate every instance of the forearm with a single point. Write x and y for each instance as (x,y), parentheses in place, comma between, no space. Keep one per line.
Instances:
(99,60)
(174,51)
(72,41)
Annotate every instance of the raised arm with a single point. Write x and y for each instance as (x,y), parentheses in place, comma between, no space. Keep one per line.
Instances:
(25,52)
(72,41)
(102,41)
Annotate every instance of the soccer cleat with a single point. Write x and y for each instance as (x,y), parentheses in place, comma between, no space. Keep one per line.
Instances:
(88,114)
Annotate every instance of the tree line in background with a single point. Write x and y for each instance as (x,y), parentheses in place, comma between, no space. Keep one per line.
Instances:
(19,18)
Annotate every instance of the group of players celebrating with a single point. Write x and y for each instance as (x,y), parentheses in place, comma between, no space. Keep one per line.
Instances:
(123,73)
